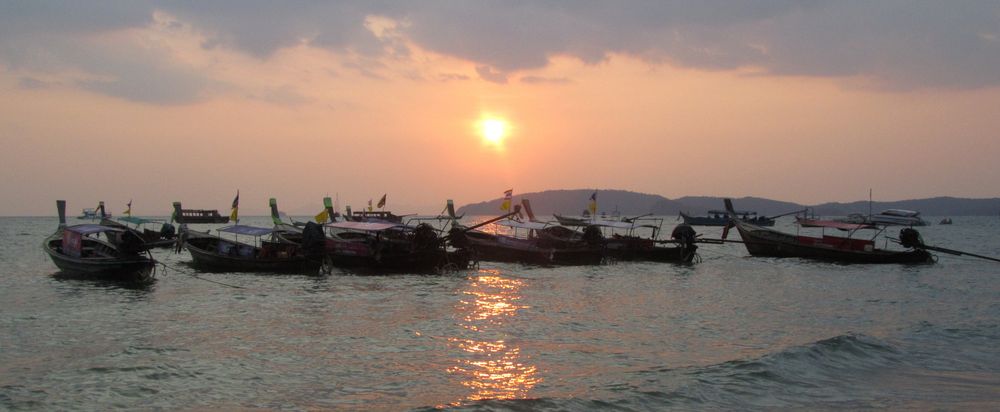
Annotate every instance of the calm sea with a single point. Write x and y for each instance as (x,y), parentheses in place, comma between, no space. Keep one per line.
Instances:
(730,332)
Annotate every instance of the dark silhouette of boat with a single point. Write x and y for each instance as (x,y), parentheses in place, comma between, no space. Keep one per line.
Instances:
(98,251)
(215,253)
(531,241)
(625,243)
(391,247)
(721,218)
(182,215)
(761,241)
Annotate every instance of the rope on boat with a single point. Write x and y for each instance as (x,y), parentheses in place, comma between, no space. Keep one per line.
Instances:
(192,274)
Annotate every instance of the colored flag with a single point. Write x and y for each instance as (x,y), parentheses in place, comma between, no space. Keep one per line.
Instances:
(370,205)
(507,195)
(593,204)
(128,212)
(323,216)
(235,214)
(381,202)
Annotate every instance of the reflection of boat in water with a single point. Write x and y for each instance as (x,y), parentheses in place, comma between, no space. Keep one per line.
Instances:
(720,218)
(888,217)
(761,241)
(98,251)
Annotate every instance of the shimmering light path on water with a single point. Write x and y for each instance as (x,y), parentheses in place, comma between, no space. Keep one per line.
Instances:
(728,332)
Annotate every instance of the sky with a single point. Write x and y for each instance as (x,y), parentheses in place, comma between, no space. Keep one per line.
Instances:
(802,101)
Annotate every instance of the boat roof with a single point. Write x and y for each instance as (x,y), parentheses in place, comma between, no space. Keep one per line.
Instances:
(833,224)
(137,220)
(900,212)
(738,212)
(364,226)
(523,225)
(614,224)
(86,229)
(247,230)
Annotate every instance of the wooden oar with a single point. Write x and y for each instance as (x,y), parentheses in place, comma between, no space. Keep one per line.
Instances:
(958,252)
(909,237)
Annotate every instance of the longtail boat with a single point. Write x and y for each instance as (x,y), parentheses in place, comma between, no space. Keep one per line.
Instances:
(391,247)
(98,251)
(531,241)
(761,241)
(215,253)
(625,243)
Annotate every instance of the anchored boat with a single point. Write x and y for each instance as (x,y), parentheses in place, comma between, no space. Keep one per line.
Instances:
(98,251)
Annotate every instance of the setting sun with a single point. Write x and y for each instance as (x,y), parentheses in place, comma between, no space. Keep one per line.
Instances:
(493,130)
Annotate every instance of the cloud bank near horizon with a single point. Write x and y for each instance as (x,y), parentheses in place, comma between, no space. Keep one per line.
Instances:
(891,45)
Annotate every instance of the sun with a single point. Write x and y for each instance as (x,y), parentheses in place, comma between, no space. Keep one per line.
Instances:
(493,130)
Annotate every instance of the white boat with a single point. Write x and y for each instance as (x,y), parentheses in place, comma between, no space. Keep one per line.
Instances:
(890,217)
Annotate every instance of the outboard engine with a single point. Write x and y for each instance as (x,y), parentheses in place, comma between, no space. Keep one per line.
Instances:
(313,239)
(457,238)
(167,231)
(129,243)
(425,237)
(910,238)
(593,236)
(684,233)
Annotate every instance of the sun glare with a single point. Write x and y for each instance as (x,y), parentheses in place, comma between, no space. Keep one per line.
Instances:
(493,130)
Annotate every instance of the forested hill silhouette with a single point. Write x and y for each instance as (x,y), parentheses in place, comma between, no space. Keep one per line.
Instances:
(574,201)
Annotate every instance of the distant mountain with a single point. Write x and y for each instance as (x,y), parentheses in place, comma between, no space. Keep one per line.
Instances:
(573,202)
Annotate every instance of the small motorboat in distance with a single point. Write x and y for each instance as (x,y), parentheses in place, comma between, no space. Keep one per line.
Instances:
(888,217)
(98,251)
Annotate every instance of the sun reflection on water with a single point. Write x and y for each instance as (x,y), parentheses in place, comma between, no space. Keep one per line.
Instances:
(493,369)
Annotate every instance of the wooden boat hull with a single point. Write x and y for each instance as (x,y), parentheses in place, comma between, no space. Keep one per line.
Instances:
(486,247)
(134,268)
(425,262)
(647,250)
(205,256)
(771,243)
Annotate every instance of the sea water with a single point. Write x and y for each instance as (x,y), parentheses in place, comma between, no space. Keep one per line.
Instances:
(729,332)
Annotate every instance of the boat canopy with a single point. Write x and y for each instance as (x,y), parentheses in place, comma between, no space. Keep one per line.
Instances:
(833,224)
(900,212)
(137,220)
(738,212)
(88,229)
(365,226)
(523,225)
(615,224)
(247,230)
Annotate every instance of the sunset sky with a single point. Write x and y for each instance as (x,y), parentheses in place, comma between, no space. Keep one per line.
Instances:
(793,100)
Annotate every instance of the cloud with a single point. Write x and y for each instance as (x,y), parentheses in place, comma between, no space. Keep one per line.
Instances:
(894,44)
(491,75)
(545,80)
